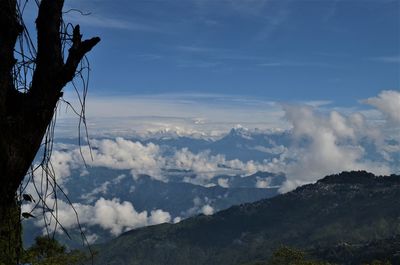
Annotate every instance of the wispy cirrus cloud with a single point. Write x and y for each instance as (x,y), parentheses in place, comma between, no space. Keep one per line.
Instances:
(272,14)
(198,49)
(387,59)
(295,64)
(246,7)
(101,21)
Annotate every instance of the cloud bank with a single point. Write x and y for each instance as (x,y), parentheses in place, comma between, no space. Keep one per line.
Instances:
(327,143)
(150,159)
(323,142)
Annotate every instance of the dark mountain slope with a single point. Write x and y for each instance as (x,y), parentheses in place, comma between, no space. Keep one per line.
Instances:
(352,207)
(383,250)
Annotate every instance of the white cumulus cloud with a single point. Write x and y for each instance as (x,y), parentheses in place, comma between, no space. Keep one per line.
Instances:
(207,209)
(111,215)
(388,102)
(223,182)
(325,144)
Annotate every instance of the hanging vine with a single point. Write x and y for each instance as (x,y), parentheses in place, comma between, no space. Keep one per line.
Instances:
(41,174)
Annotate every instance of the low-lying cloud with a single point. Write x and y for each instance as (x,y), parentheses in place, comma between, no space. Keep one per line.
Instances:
(111,215)
(150,159)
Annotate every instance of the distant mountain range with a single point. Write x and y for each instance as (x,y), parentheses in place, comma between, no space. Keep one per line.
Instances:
(182,176)
(180,196)
(181,200)
(239,143)
(335,219)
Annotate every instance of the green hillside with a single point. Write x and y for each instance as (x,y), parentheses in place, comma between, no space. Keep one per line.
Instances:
(349,208)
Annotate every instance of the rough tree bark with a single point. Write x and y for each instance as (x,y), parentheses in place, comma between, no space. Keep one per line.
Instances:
(24,117)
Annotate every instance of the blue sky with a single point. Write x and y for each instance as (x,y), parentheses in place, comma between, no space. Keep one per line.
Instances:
(340,51)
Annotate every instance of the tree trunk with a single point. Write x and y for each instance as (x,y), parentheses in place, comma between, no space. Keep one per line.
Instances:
(24,117)
(10,232)
(20,139)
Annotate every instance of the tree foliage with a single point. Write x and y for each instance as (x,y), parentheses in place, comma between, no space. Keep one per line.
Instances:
(289,256)
(378,262)
(48,251)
